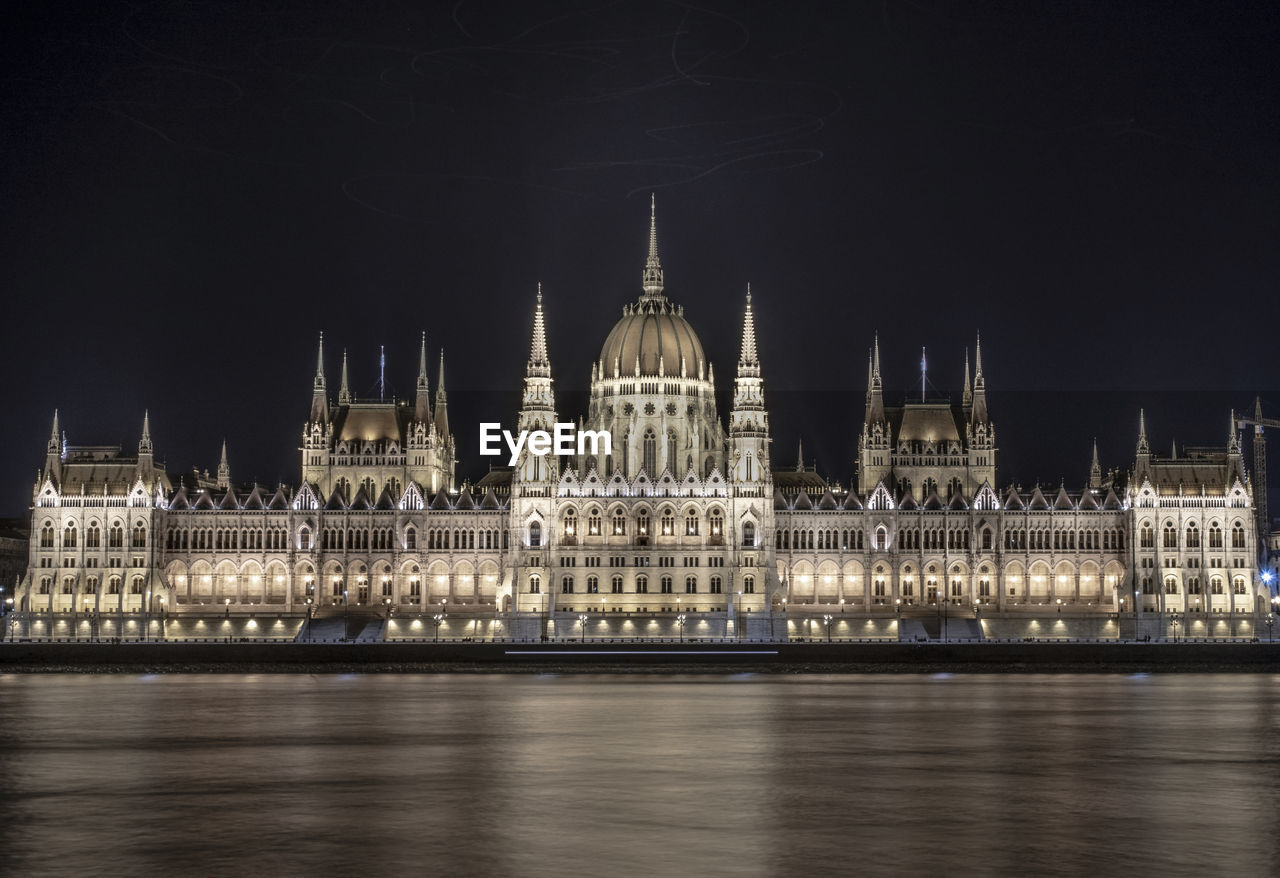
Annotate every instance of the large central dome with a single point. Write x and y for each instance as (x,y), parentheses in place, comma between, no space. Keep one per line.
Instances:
(653,332)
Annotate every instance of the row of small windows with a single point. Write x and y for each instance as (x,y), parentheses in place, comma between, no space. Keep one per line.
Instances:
(1216,586)
(1044,539)
(464,538)
(93,537)
(45,586)
(619,527)
(690,526)
(1169,536)
(819,539)
(666,585)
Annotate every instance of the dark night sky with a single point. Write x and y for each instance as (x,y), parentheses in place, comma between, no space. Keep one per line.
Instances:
(189,192)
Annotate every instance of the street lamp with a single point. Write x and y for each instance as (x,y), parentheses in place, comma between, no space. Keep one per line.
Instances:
(680,622)
(582,622)
(162,616)
(346,615)
(827,619)
(1271,618)
(1173,620)
(227,614)
(439,617)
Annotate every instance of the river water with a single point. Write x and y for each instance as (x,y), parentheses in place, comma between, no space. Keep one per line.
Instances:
(641,774)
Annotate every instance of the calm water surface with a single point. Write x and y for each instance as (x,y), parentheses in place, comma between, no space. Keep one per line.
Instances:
(654,775)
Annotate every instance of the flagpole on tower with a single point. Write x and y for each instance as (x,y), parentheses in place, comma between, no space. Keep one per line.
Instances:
(382,373)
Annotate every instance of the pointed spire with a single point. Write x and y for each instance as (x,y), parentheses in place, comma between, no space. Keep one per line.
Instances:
(967,396)
(224,470)
(978,415)
(320,362)
(1233,437)
(875,387)
(539,364)
(55,443)
(750,357)
(652,277)
(800,456)
(319,393)
(144,443)
(344,391)
(1095,468)
(442,402)
(1143,446)
(1173,454)
(1257,415)
(422,394)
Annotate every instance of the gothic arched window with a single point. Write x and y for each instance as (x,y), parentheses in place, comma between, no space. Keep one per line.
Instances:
(649,453)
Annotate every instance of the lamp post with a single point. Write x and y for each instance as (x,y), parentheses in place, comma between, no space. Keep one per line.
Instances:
(162,617)
(1271,618)
(827,619)
(346,615)
(680,622)
(582,623)
(438,617)
(1173,620)
(227,613)
(308,621)
(737,625)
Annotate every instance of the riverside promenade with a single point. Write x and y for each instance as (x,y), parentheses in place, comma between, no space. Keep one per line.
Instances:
(507,656)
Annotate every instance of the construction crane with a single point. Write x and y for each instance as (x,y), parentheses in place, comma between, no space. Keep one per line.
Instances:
(1260,471)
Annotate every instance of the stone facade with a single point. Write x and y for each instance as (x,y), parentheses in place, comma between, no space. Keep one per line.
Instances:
(682,517)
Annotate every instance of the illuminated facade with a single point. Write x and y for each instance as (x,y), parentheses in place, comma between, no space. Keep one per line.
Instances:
(685,522)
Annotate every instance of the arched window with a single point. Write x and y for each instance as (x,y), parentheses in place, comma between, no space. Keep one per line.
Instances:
(691,522)
(1215,585)
(691,585)
(1237,537)
(717,585)
(566,585)
(46,536)
(649,454)
(1147,537)
(304,539)
(1170,585)
(570,524)
(717,522)
(642,584)
(672,450)
(593,585)
(668,521)
(1193,536)
(1215,536)
(593,521)
(1170,535)
(1239,585)
(69,537)
(616,584)
(411,538)
(115,539)
(535,535)
(535,584)
(666,585)
(749,534)
(620,522)
(748,585)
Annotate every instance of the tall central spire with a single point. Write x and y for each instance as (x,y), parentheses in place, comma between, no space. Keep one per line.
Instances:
(749,361)
(652,279)
(538,363)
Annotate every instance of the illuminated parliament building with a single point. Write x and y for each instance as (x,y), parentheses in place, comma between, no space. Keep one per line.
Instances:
(687,527)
